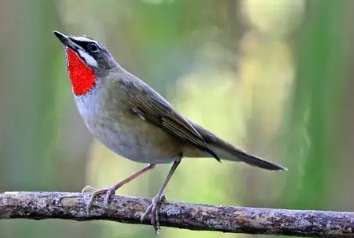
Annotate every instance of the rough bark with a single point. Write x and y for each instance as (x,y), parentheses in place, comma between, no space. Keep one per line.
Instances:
(64,205)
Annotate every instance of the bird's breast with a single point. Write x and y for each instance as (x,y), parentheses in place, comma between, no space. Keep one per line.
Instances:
(125,133)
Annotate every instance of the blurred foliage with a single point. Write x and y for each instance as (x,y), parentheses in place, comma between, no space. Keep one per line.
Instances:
(270,76)
(324,50)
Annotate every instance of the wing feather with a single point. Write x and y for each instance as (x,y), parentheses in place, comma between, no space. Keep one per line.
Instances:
(149,105)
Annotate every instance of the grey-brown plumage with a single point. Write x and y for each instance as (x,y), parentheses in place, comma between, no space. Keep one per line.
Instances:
(133,120)
(192,139)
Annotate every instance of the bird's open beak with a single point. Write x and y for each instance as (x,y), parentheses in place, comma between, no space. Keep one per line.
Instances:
(66,40)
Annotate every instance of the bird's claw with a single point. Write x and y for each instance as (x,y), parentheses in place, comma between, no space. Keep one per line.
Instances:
(163,198)
(94,192)
(89,189)
(58,200)
(109,193)
(153,210)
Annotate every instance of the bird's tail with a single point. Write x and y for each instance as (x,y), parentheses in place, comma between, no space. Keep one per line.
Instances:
(228,152)
(223,150)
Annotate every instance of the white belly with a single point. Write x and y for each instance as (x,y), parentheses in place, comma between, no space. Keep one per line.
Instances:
(133,145)
(127,134)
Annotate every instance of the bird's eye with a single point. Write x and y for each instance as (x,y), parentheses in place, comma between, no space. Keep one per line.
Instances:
(92,47)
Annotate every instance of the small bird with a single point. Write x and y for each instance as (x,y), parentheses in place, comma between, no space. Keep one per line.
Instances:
(134,121)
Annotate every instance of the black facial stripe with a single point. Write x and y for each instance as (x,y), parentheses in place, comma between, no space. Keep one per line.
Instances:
(84,43)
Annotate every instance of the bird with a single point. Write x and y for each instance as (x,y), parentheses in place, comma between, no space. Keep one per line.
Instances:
(134,121)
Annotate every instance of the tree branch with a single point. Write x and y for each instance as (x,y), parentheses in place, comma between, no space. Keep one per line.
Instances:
(63,205)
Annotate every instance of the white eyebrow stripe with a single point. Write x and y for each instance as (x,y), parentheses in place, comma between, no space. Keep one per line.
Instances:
(88,58)
(83,39)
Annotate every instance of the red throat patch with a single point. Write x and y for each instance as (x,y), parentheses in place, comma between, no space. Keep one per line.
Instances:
(82,76)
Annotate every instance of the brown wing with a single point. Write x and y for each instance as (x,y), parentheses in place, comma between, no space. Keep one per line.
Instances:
(148,104)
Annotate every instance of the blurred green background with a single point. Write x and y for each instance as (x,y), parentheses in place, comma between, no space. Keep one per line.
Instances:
(272,76)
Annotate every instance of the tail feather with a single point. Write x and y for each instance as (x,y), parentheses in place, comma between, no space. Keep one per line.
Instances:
(233,154)
(226,151)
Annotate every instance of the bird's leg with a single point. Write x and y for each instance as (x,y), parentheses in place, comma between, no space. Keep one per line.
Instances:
(111,190)
(154,207)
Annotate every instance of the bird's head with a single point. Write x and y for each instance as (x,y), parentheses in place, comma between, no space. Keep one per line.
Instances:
(87,61)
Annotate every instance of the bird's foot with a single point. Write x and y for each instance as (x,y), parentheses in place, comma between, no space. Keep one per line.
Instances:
(89,189)
(163,198)
(58,200)
(153,210)
(95,192)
